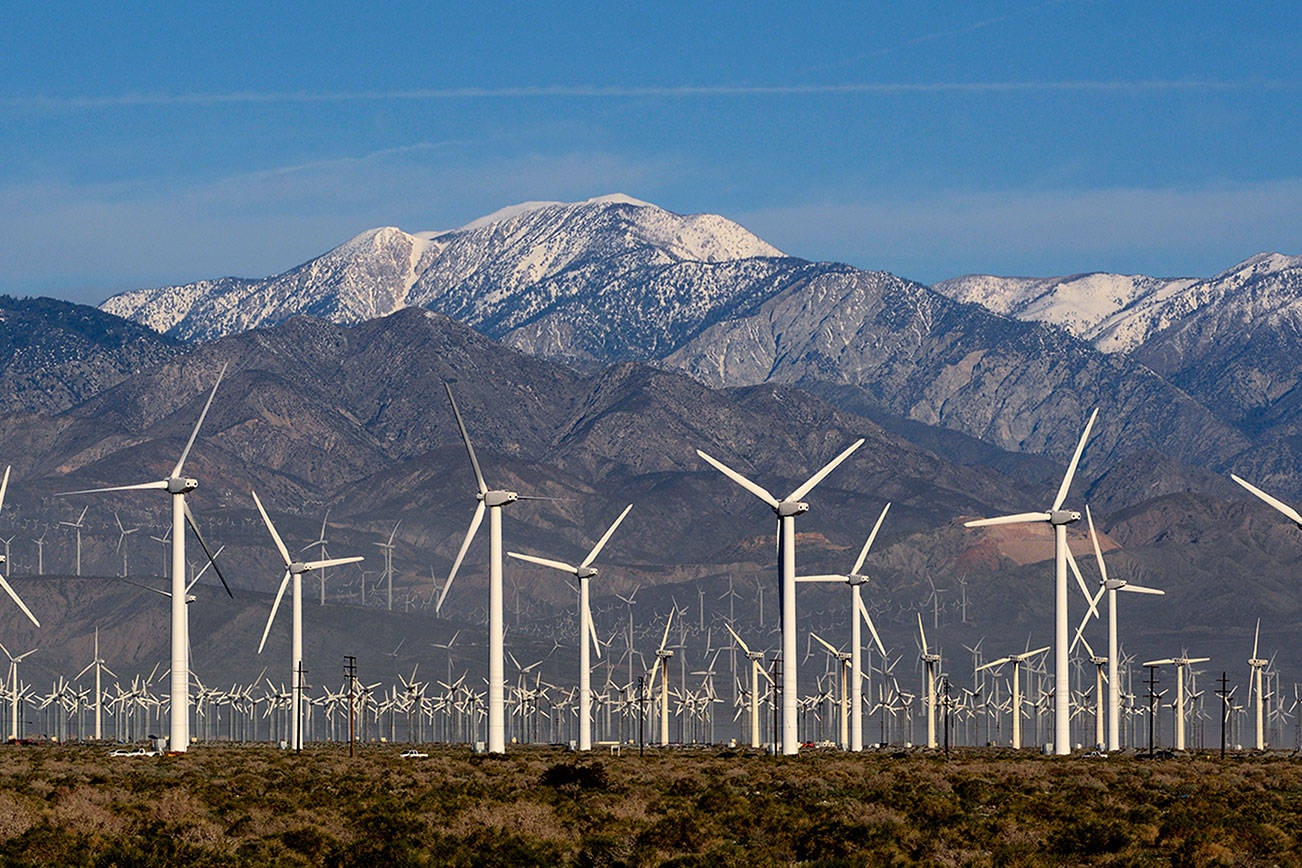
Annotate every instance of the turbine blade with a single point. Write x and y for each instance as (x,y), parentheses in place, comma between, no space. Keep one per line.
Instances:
(4,486)
(1001,661)
(545,562)
(470,450)
(823,577)
(280,543)
(744,649)
(1166,662)
(592,631)
(212,559)
(827,468)
(1075,459)
(863,553)
(1080,580)
(1291,513)
(1255,637)
(1140,589)
(14,594)
(176,471)
(461,553)
(757,490)
(601,543)
(668,622)
(1094,537)
(333,562)
(819,639)
(284,583)
(877,640)
(1016,518)
(161,485)
(922,633)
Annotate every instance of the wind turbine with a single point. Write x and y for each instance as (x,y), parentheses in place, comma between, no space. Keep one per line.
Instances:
(123,533)
(1016,660)
(662,662)
(295,570)
(858,610)
(388,563)
(932,661)
(77,526)
(756,670)
(320,542)
(4,486)
(1258,664)
(13,688)
(1181,665)
(786,510)
(583,572)
(1058,518)
(492,501)
(1110,586)
(178,487)
(98,665)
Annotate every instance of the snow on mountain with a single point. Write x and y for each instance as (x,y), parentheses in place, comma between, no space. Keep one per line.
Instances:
(1120,313)
(472,273)
(1115,312)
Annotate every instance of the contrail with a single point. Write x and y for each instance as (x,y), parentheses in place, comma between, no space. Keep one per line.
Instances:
(129,100)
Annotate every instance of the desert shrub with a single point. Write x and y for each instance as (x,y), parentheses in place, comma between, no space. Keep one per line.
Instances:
(576,777)
(1091,837)
(677,833)
(308,840)
(604,851)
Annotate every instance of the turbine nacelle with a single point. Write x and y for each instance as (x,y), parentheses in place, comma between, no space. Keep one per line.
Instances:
(788,508)
(856,579)
(586,572)
(1063,516)
(498,497)
(1114,584)
(181,485)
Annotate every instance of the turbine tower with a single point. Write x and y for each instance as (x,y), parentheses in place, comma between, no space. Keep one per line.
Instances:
(858,610)
(1258,665)
(98,665)
(1058,518)
(295,570)
(662,663)
(178,487)
(491,500)
(587,631)
(786,510)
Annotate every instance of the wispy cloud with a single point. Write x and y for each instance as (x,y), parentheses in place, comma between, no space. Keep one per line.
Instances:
(1120,87)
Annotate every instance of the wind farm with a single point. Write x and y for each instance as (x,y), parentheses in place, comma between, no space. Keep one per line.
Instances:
(822,436)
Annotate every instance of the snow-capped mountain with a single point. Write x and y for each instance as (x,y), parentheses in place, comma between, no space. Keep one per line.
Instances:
(1119,313)
(495,273)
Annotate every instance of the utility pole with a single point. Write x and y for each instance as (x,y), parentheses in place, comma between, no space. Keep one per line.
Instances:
(350,669)
(1152,706)
(298,705)
(1224,694)
(947,706)
(641,723)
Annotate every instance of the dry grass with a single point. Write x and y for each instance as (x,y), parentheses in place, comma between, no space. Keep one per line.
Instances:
(537,806)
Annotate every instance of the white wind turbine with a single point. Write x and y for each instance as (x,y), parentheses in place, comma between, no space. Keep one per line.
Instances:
(98,665)
(123,533)
(662,663)
(1058,518)
(786,510)
(1181,665)
(293,570)
(492,501)
(13,688)
(1017,660)
(77,526)
(587,631)
(178,487)
(1110,586)
(756,670)
(858,610)
(1257,665)
(932,662)
(320,542)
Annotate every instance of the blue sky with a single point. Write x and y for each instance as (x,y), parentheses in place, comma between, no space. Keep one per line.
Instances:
(148,144)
